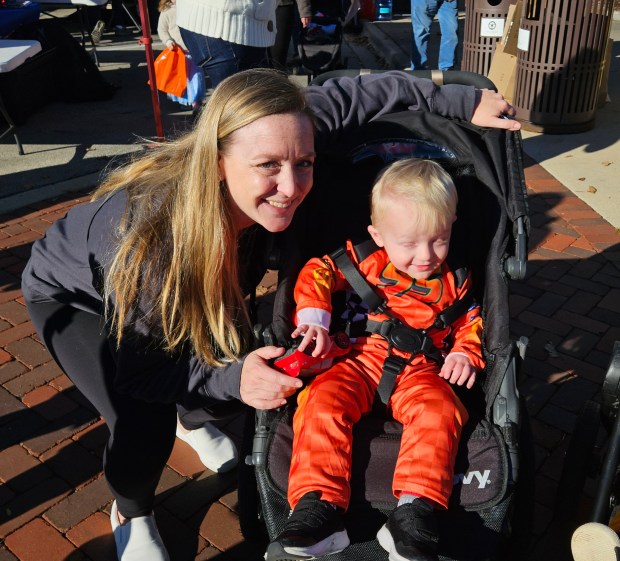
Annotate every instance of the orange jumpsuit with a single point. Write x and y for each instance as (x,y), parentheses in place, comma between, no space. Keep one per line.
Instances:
(431,414)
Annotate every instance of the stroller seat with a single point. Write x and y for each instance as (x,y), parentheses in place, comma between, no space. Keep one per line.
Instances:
(492,220)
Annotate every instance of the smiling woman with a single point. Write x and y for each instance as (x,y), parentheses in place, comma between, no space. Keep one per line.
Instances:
(139,294)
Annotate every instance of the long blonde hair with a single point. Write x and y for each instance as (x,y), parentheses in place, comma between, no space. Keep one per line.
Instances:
(177,244)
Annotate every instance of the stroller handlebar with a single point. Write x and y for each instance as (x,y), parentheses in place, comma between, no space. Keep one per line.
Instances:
(440,77)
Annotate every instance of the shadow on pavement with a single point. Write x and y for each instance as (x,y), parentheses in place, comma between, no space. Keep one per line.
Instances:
(63,141)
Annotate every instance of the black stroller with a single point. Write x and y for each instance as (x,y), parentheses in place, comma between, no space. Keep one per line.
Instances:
(320,43)
(491,488)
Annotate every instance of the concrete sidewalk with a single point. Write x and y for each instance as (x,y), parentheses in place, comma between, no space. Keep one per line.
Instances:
(53,498)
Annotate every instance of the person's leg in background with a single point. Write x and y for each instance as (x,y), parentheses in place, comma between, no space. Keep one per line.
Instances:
(119,20)
(296,32)
(422,14)
(278,53)
(220,59)
(448,17)
(141,434)
(95,22)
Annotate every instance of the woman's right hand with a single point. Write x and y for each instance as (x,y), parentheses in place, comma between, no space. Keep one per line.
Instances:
(263,387)
(492,110)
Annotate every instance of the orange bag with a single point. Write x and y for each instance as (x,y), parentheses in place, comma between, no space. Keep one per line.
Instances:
(170,72)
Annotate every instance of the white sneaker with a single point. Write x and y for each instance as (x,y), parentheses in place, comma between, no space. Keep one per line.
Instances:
(215,450)
(595,542)
(137,539)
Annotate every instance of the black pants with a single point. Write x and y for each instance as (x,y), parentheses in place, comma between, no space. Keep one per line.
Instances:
(141,434)
(285,21)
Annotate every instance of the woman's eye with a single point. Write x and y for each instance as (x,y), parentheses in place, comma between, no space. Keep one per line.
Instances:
(306,164)
(269,165)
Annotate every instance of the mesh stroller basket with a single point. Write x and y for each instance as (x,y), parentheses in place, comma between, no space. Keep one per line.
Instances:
(490,235)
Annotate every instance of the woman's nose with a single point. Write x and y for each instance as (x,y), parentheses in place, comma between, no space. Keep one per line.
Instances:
(288,182)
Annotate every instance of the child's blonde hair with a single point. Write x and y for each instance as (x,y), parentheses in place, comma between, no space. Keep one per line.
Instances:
(423,183)
(164,5)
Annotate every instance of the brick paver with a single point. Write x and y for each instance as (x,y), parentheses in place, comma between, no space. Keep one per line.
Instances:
(54,502)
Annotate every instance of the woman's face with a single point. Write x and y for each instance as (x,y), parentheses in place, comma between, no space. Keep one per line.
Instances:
(268,169)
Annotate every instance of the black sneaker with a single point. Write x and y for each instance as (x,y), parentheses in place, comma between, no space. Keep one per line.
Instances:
(313,529)
(410,533)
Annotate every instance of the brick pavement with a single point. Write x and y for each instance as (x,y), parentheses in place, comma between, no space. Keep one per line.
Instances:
(54,503)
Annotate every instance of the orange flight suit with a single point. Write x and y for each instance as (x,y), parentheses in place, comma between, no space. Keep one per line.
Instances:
(431,414)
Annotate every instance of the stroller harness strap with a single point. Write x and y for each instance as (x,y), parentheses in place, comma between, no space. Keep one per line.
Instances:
(399,335)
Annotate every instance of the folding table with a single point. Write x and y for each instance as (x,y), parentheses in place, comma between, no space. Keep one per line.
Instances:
(13,53)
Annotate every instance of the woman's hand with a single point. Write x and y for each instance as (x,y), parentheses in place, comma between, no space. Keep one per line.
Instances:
(492,110)
(262,387)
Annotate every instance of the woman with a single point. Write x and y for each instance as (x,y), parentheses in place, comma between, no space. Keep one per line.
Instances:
(139,294)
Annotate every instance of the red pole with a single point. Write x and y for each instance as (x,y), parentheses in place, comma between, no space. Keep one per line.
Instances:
(147,41)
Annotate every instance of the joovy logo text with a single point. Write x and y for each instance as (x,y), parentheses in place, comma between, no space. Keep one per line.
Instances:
(467,478)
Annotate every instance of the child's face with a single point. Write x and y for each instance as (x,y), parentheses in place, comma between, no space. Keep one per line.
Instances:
(412,249)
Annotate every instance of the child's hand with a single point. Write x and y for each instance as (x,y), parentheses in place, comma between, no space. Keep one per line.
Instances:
(171,44)
(458,370)
(313,333)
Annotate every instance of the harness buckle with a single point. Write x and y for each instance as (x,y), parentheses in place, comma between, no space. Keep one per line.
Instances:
(394,364)
(402,337)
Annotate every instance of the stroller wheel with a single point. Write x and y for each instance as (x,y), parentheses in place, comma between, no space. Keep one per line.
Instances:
(595,542)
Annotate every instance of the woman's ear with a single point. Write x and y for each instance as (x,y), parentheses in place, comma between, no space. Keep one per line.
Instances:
(375,235)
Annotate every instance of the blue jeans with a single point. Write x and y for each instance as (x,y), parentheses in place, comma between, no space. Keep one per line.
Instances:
(220,59)
(422,14)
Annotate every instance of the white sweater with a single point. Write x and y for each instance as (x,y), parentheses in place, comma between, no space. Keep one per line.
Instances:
(245,22)
(167,27)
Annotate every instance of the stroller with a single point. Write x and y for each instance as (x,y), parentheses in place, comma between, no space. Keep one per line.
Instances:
(492,482)
(320,43)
